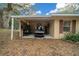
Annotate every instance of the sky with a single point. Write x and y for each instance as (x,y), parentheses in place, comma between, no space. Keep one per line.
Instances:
(43,8)
(47,8)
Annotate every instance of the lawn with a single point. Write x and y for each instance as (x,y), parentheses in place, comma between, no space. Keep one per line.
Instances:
(35,47)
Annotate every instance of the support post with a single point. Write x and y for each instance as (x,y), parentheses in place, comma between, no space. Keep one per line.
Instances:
(56,29)
(19,29)
(12,28)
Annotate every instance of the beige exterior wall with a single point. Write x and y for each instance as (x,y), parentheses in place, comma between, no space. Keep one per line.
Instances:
(56,29)
(58,35)
(77,25)
(51,29)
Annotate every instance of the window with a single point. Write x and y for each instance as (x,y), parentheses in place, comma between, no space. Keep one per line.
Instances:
(66,26)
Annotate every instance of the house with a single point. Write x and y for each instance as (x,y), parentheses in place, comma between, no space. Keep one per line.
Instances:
(58,24)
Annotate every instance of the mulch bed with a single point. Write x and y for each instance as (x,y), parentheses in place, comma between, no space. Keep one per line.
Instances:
(35,47)
(38,47)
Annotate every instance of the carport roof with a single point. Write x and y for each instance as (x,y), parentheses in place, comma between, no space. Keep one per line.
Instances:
(47,16)
(19,16)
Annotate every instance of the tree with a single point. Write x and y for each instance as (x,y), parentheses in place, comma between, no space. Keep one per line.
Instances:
(1,20)
(6,13)
(23,9)
(16,9)
(70,8)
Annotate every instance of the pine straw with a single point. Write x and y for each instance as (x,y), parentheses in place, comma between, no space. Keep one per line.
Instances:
(35,47)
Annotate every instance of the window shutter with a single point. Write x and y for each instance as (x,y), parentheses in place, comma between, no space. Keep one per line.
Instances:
(73,26)
(61,26)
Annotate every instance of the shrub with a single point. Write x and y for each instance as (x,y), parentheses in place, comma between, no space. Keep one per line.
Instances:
(71,37)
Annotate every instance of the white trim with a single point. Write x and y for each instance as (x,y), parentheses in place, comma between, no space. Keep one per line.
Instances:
(65,15)
(19,29)
(12,28)
(19,16)
(33,17)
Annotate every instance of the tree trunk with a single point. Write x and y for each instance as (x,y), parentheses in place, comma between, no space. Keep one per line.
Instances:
(1,20)
(9,7)
(6,13)
(6,19)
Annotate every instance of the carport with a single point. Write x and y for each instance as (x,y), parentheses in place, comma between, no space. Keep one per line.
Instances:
(33,19)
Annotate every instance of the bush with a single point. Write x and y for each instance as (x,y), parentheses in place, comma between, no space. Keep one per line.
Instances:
(71,37)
